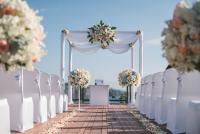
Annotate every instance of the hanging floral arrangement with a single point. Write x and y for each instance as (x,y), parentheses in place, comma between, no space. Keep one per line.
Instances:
(101,33)
(181,42)
(21,35)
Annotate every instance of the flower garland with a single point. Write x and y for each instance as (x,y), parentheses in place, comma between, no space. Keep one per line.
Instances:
(101,33)
(129,77)
(181,44)
(21,35)
(79,78)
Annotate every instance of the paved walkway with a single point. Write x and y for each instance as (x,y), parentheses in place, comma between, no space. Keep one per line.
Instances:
(112,119)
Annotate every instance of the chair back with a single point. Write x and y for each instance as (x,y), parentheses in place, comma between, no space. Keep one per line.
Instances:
(45,83)
(190,88)
(11,82)
(55,84)
(157,83)
(142,87)
(31,81)
(170,83)
(148,85)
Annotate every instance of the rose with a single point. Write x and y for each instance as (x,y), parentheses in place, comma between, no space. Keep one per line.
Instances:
(4,46)
(8,10)
(21,35)
(176,22)
(196,48)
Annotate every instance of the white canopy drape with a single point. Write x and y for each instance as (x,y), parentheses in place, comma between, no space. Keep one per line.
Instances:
(77,40)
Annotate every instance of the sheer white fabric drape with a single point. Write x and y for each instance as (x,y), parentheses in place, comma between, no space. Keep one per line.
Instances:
(79,41)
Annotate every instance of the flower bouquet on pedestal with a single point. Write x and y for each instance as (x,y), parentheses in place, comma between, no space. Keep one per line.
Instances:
(79,78)
(129,78)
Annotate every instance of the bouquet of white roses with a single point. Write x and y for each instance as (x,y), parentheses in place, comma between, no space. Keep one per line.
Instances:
(21,35)
(129,77)
(79,78)
(181,42)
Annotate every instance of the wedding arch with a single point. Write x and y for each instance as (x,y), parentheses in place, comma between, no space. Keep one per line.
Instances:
(78,40)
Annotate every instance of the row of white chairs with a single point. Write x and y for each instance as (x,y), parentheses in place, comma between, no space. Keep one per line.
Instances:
(27,97)
(171,98)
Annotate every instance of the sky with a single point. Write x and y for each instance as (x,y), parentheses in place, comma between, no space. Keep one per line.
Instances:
(131,15)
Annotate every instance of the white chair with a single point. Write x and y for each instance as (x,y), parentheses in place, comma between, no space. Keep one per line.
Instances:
(32,89)
(45,86)
(56,91)
(188,89)
(137,101)
(21,107)
(157,85)
(4,117)
(169,91)
(141,100)
(193,117)
(148,92)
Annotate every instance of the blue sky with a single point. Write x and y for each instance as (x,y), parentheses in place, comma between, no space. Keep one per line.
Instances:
(146,15)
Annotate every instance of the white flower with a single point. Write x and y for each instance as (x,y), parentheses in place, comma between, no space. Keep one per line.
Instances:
(79,77)
(182,38)
(128,77)
(21,27)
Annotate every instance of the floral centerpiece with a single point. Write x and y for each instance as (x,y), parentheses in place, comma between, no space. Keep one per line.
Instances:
(79,78)
(101,33)
(21,35)
(129,77)
(181,42)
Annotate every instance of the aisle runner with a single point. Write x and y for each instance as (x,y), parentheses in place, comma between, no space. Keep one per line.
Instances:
(112,119)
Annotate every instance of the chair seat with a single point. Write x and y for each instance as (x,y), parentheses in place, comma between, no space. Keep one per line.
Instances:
(193,117)
(4,117)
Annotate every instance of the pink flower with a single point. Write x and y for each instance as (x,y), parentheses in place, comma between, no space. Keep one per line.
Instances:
(8,10)
(34,59)
(195,36)
(4,46)
(176,22)
(182,49)
(196,49)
